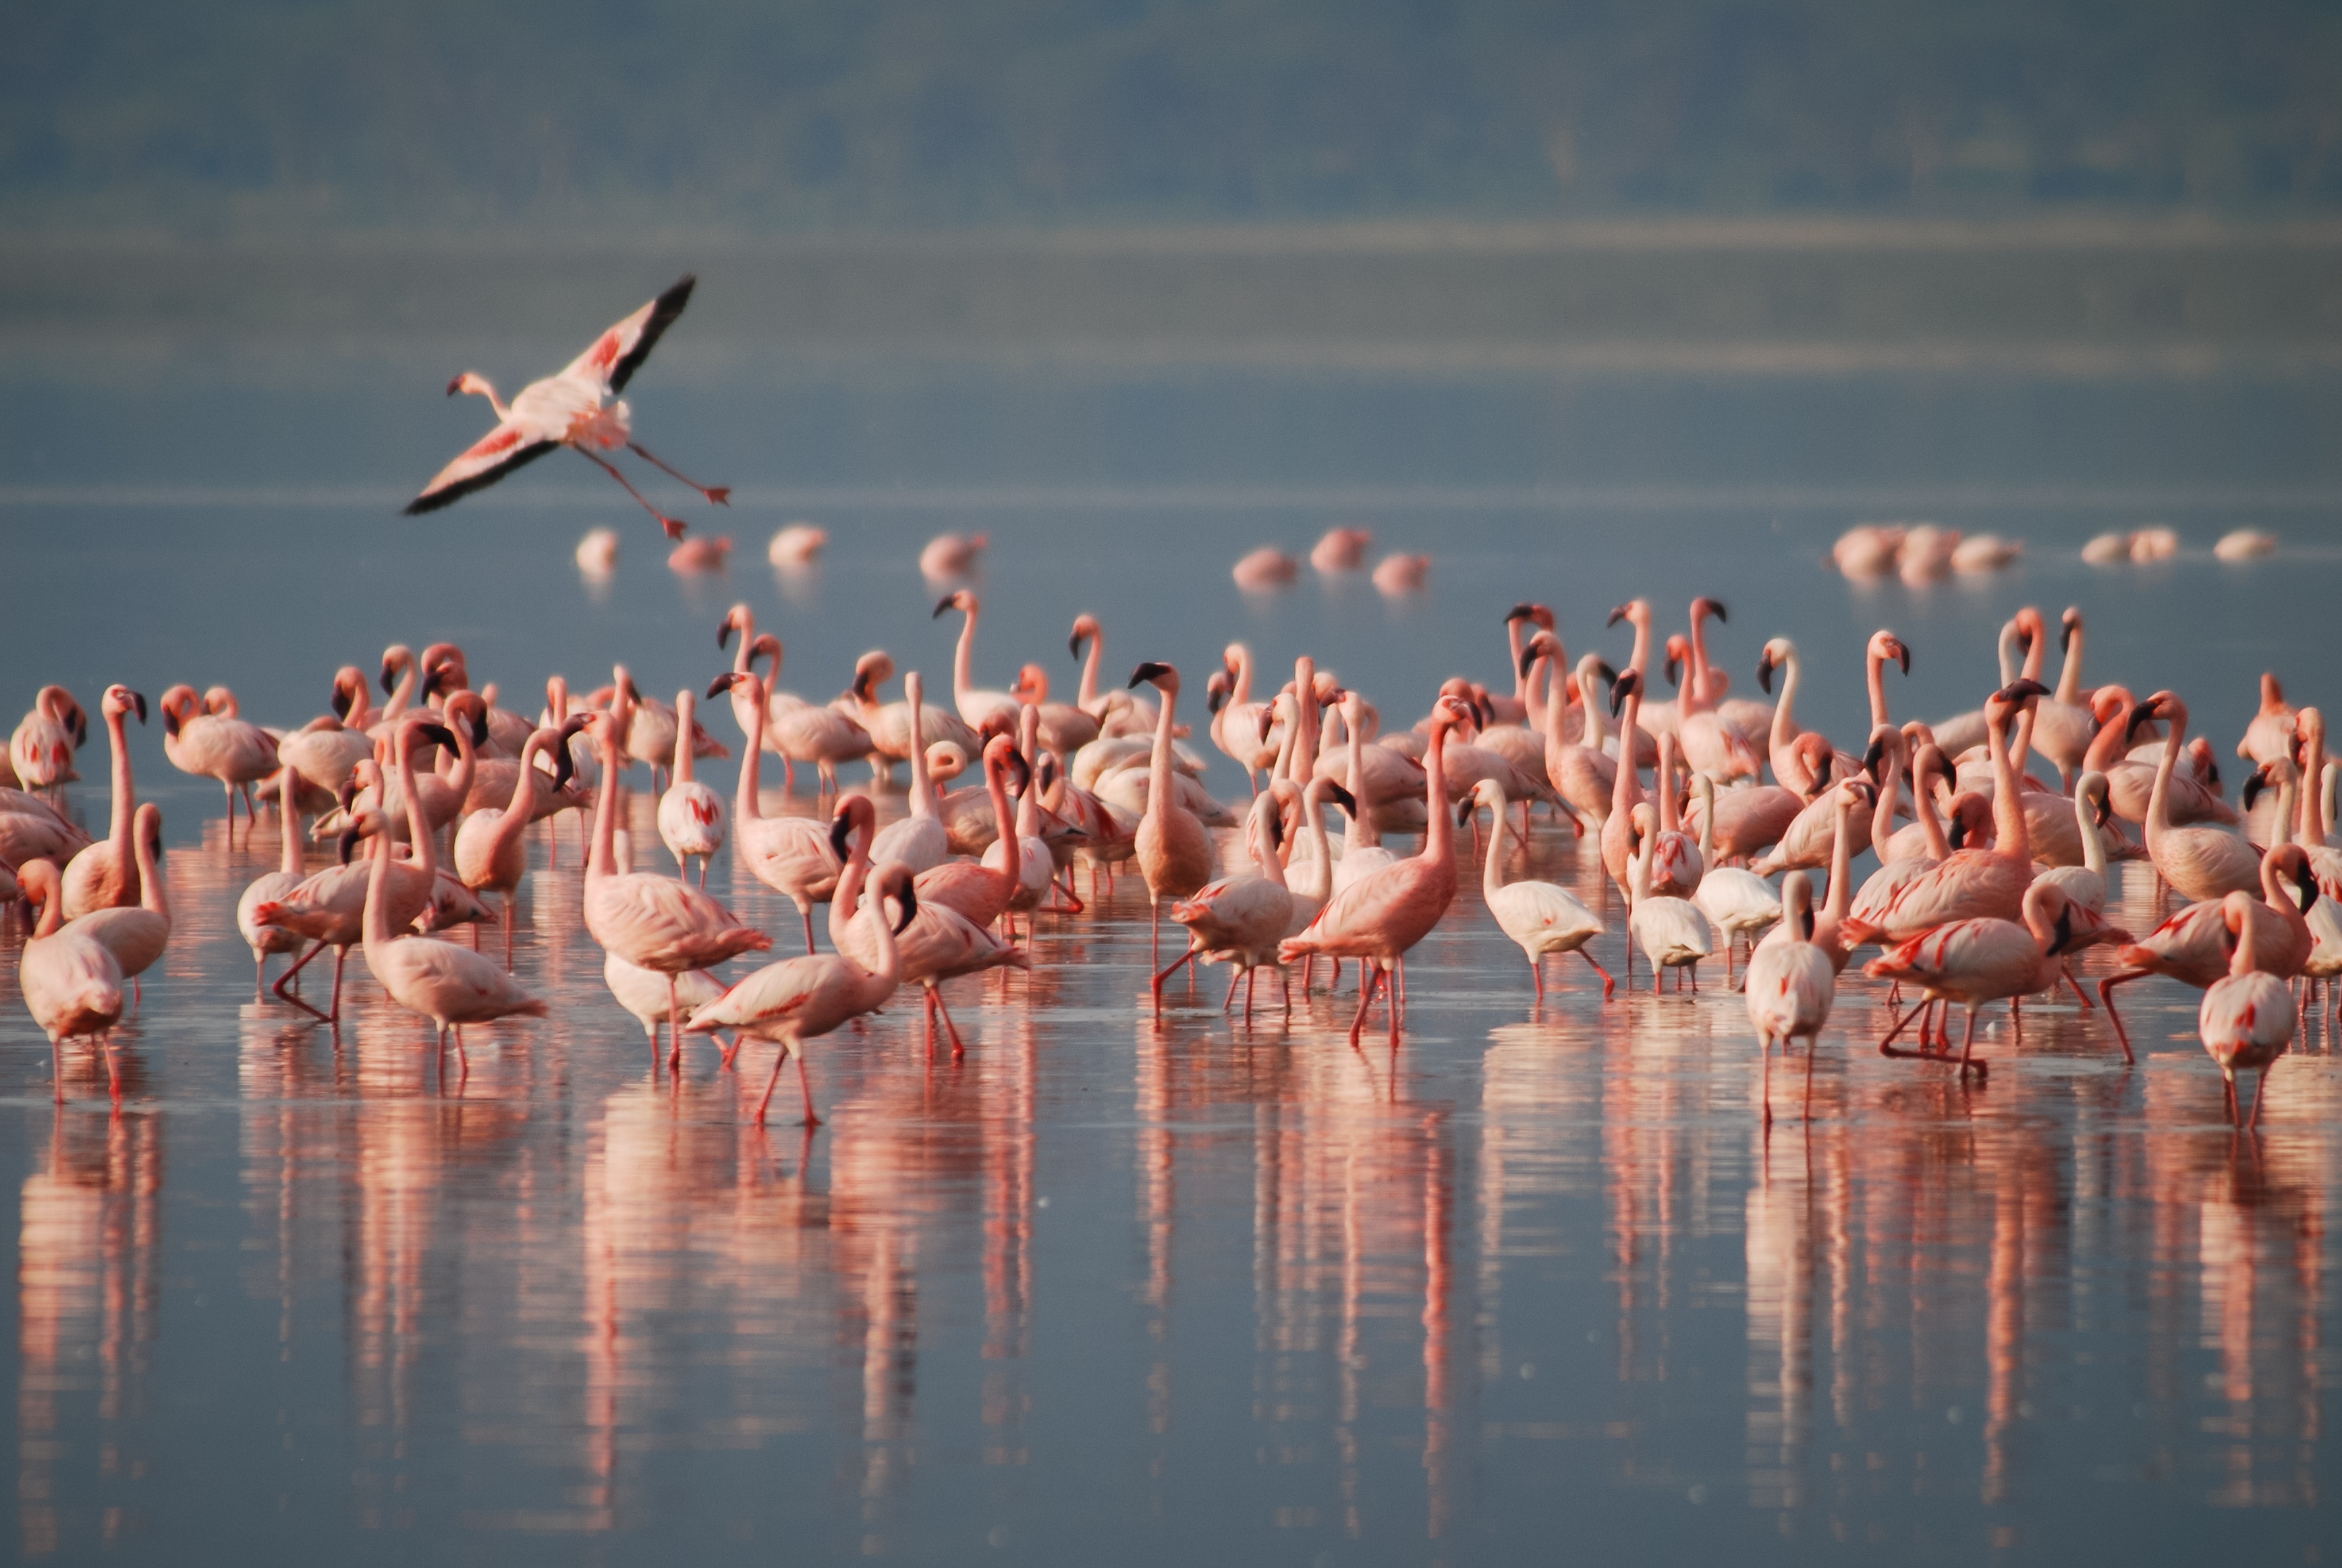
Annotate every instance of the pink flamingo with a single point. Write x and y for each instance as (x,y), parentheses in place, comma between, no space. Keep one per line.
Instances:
(1377,918)
(576,407)
(980,890)
(1710,745)
(2247,1019)
(216,745)
(1173,849)
(137,934)
(801,999)
(690,815)
(261,938)
(2201,864)
(656,922)
(1581,772)
(105,874)
(2271,732)
(1625,788)
(2190,948)
(1240,920)
(975,703)
(789,854)
(42,750)
(1791,985)
(490,852)
(1988,959)
(71,984)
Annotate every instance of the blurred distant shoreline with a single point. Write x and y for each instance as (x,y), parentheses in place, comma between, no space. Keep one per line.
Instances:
(2070,294)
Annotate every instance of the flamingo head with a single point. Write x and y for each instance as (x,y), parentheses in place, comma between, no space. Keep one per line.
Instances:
(1678,651)
(1540,645)
(472,709)
(1032,684)
(1215,690)
(1775,654)
(1634,612)
(957,599)
(120,700)
(738,618)
(473,382)
(855,813)
(1629,685)
(1085,628)
(444,668)
(1154,674)
(1520,613)
(2069,626)
(395,658)
(1885,646)
(178,703)
(1704,606)
(895,882)
(871,671)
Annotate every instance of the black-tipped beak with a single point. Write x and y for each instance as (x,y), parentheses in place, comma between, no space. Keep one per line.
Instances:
(1074,644)
(1024,772)
(720,684)
(456,386)
(2065,930)
(1215,698)
(1520,613)
(389,680)
(1343,798)
(1148,672)
(1903,655)
(1872,758)
(1617,616)
(432,679)
(941,605)
(2254,785)
(724,634)
(480,729)
(1716,608)
(1675,671)
(1956,832)
(1622,688)
(1267,722)
(341,703)
(346,843)
(138,703)
(565,767)
(2212,774)
(1602,668)
(2307,880)
(910,899)
(840,830)
(2102,810)
(1463,810)
(437,735)
(1765,673)
(171,723)
(1529,656)
(2017,690)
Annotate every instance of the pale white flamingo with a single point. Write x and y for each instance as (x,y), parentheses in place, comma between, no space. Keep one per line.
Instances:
(42,749)
(1240,920)
(801,999)
(790,855)
(576,407)
(1671,931)
(1742,904)
(105,875)
(976,704)
(1540,917)
(919,840)
(2201,864)
(940,944)
(216,745)
(1402,573)
(450,985)
(598,552)
(261,937)
(2247,1019)
(1677,866)
(951,555)
(1829,932)
(1791,985)
(1266,570)
(1173,848)
(2270,733)
(1378,917)
(71,984)
(489,852)
(643,993)
(1988,959)
(1969,883)
(690,815)
(797,544)
(1915,850)
(137,934)
(657,923)
(700,554)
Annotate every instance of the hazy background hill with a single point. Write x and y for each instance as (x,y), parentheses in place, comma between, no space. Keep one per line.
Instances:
(272,115)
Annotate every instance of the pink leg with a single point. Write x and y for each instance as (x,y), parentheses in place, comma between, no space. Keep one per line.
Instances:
(674,528)
(1370,976)
(1608,984)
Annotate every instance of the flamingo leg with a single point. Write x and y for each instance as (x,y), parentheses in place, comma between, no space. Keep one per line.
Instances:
(2080,995)
(807,911)
(2260,1093)
(1235,977)
(114,1069)
(1764,1042)
(717,495)
(341,956)
(1165,974)
(2228,1094)
(959,1047)
(1813,1049)
(673,1029)
(780,1054)
(2106,995)
(1608,984)
(1370,976)
(1536,974)
(1887,1047)
(810,1119)
(1967,1041)
(286,978)
(1252,979)
(674,528)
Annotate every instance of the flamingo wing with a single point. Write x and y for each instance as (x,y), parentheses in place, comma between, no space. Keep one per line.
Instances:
(491,457)
(618,352)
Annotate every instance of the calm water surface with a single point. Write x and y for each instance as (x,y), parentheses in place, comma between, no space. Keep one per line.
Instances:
(1175,1293)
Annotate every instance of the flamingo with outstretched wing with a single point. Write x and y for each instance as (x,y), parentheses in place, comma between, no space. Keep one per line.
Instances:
(578,407)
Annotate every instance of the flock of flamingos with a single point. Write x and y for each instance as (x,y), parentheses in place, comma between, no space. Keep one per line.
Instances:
(1993,890)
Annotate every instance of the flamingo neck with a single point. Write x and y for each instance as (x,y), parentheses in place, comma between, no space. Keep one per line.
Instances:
(1876,677)
(515,820)
(2069,670)
(843,912)
(743,799)
(418,827)
(1087,697)
(2008,811)
(1439,832)
(2094,847)
(923,788)
(602,854)
(1839,897)
(374,925)
(684,710)
(964,662)
(1784,712)
(53,912)
(1931,825)
(152,896)
(1625,786)
(1158,772)
(1492,879)
(1597,726)
(1706,822)
(2248,957)
(2312,831)
(996,784)
(288,819)
(118,827)
(404,693)
(1358,832)
(2159,801)
(1890,795)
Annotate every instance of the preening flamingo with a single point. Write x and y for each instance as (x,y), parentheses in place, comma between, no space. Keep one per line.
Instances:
(105,875)
(216,745)
(42,749)
(801,999)
(690,815)
(71,984)
(2247,1019)
(1791,985)
(1671,931)
(1540,917)
(576,407)
(490,852)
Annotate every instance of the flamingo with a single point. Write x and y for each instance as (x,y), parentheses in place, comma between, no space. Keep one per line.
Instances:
(975,703)
(1540,917)
(801,999)
(450,985)
(1913,850)
(949,555)
(643,993)
(1988,959)
(1742,903)
(576,407)
(2063,726)
(261,937)
(1117,713)
(2271,732)
(1378,917)
(1671,931)
(2247,1019)
(790,855)
(2086,885)
(1580,772)
(918,840)
(2190,948)
(803,732)
(690,815)
(1806,842)
(105,875)
(1173,849)
(71,984)
(1791,985)
(2201,864)
(216,745)
(1711,743)
(489,852)
(1241,919)
(328,749)
(658,923)
(981,890)
(1618,835)
(1240,725)
(1677,864)
(42,750)
(136,934)
(1341,550)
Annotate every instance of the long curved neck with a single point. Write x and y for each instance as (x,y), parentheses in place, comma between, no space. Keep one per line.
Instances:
(1876,676)
(402,694)
(1784,712)
(118,826)
(1597,726)
(2008,811)
(1241,691)
(152,896)
(1931,826)
(602,854)
(2312,833)
(1158,773)
(889,972)
(2106,748)
(1696,691)
(964,660)
(843,911)
(418,826)
(2005,650)
(288,821)
(1664,786)
(2094,848)
(1840,896)
(1313,815)
(515,819)
(1706,822)
(1359,832)
(375,927)
(1492,878)
(2158,801)
(1556,699)
(1890,792)
(1641,663)
(744,798)
(1521,677)
(1088,697)
(996,784)
(1625,787)
(1439,832)
(467,761)
(2069,671)
(681,771)
(922,787)
(2246,958)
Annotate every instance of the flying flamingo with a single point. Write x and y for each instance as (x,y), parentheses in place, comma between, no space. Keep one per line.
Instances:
(450,985)
(1988,959)
(1377,918)
(576,407)
(789,854)
(105,874)
(690,815)
(657,923)
(2247,1019)
(489,851)
(71,984)
(1541,917)
(1791,985)
(261,938)
(2202,863)
(801,999)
